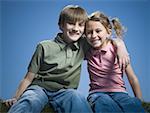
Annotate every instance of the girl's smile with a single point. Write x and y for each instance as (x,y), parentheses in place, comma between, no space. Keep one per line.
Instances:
(96,33)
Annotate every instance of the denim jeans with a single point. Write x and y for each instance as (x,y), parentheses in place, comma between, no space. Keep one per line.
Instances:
(114,102)
(35,98)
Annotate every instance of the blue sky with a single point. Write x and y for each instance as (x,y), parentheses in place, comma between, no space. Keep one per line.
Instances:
(24,23)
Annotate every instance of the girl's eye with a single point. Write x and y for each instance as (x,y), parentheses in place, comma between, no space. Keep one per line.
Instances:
(98,31)
(88,32)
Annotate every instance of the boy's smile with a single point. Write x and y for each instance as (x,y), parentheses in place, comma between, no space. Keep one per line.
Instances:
(73,31)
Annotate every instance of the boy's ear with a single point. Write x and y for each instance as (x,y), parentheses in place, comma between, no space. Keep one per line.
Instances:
(61,27)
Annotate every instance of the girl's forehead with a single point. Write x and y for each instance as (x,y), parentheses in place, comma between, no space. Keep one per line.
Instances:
(91,22)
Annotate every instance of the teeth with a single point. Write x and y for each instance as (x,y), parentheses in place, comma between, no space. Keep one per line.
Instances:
(74,34)
(96,42)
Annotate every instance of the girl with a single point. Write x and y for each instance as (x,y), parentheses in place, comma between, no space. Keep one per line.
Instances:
(107,88)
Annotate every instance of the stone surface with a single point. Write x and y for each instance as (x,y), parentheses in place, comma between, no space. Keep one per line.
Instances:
(48,109)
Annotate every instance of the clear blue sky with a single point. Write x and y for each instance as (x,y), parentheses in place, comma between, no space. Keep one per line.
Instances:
(24,23)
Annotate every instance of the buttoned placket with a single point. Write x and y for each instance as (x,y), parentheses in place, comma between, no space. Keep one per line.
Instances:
(100,58)
(69,55)
(99,54)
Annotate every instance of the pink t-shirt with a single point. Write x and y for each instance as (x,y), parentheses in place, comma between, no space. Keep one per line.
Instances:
(104,71)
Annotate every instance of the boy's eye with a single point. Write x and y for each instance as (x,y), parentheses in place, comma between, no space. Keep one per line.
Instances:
(82,24)
(71,23)
(74,23)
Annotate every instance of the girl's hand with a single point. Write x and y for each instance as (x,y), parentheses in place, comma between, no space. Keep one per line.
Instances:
(10,102)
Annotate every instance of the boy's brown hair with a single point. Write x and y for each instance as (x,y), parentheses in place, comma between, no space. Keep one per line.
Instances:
(72,14)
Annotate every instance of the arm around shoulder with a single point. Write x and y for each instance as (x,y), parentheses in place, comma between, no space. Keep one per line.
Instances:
(122,53)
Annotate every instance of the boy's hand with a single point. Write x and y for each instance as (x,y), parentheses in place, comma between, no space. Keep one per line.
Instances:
(10,102)
(123,56)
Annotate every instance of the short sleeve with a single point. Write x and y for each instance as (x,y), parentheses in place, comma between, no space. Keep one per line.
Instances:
(36,60)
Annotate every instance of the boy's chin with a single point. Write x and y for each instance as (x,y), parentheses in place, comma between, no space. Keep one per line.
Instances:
(75,39)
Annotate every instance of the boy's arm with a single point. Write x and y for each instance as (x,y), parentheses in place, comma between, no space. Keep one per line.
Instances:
(133,80)
(22,87)
(122,53)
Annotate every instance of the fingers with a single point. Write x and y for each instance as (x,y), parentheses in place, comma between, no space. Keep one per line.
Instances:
(10,102)
(123,62)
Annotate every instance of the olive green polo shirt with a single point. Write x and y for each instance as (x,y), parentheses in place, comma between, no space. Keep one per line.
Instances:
(57,64)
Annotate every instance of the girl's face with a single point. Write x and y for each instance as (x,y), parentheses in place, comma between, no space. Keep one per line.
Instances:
(96,33)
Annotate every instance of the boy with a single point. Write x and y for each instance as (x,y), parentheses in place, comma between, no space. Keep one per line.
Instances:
(54,71)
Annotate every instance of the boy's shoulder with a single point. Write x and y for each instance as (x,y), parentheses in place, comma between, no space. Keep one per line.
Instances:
(48,43)
(49,46)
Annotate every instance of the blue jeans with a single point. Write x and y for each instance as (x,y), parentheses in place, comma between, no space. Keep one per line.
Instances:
(35,98)
(114,102)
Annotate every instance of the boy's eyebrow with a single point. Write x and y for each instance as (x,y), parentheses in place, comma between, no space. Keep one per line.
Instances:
(81,21)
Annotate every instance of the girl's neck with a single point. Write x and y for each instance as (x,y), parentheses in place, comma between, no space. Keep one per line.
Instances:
(103,44)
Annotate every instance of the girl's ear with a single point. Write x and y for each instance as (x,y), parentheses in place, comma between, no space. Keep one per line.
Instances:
(109,32)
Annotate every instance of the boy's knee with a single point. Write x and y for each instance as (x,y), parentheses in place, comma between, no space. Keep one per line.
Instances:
(33,98)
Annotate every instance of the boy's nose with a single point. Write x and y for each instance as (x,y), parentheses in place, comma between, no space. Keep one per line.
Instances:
(93,34)
(76,27)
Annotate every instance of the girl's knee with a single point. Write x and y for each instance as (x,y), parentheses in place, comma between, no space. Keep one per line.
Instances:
(135,102)
(105,101)
(134,105)
(100,99)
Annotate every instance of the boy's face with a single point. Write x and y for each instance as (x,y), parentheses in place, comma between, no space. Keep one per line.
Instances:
(96,33)
(72,31)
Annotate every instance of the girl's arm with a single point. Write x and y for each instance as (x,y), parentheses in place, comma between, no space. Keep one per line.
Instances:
(22,87)
(133,80)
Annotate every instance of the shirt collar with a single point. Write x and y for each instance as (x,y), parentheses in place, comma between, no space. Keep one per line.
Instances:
(62,44)
(102,50)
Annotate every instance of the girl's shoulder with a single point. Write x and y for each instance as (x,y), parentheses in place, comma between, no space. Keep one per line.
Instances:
(112,45)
